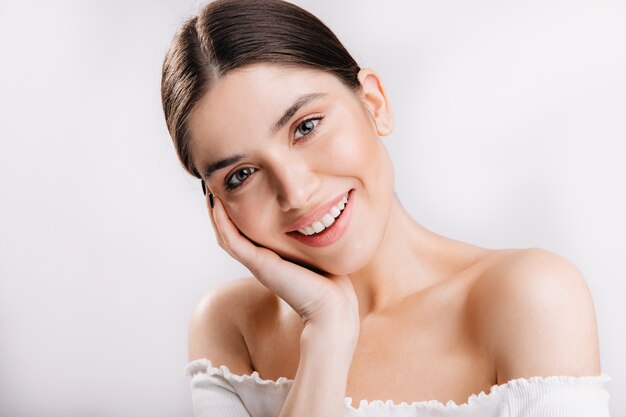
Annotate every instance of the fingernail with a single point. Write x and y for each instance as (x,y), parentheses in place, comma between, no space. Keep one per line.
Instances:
(211,199)
(203,187)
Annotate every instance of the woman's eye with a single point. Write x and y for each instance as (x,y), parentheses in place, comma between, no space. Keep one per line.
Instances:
(307,126)
(239,177)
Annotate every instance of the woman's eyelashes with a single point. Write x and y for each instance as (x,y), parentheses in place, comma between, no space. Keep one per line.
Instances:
(238,177)
(307,127)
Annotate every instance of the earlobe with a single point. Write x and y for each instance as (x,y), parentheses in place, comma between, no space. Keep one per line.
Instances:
(374,98)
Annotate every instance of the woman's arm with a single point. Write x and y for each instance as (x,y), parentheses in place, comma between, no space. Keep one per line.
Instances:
(320,383)
(325,356)
(328,307)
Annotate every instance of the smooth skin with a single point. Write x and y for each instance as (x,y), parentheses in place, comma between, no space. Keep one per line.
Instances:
(389,311)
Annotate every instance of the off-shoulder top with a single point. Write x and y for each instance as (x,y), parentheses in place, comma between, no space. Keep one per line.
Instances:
(217,392)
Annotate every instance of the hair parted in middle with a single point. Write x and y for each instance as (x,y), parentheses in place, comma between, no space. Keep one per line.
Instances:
(230,34)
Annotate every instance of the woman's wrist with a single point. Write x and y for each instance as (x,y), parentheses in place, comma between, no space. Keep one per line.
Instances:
(330,337)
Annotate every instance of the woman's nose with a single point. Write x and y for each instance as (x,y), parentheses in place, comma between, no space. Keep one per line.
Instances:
(296,185)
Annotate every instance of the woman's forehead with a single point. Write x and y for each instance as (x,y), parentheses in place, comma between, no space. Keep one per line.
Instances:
(256,97)
(266,87)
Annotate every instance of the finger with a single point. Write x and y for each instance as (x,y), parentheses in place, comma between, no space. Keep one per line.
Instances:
(267,266)
(301,288)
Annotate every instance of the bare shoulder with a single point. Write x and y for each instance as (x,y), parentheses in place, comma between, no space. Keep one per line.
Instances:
(217,323)
(535,314)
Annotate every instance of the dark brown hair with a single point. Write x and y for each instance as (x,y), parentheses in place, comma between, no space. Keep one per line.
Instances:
(229,34)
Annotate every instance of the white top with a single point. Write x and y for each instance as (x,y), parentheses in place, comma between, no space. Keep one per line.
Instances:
(217,392)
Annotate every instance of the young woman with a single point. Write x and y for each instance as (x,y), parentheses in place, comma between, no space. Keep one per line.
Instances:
(351,300)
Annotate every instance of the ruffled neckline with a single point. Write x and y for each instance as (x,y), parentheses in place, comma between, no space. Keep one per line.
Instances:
(496,391)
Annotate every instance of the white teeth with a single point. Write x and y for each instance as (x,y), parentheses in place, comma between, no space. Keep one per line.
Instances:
(317,226)
(326,220)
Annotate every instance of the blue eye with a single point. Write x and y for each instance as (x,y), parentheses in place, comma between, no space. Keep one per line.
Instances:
(307,126)
(239,177)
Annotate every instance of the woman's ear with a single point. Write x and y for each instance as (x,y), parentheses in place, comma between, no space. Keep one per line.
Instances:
(374,98)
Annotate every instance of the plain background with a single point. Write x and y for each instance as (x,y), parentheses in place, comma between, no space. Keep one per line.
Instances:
(509,133)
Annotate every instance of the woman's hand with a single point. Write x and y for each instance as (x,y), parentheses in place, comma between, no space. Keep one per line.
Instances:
(324,300)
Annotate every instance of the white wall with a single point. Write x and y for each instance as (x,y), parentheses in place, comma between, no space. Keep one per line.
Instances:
(510,133)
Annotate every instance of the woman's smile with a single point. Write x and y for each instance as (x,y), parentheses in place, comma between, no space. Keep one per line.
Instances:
(293,189)
(333,223)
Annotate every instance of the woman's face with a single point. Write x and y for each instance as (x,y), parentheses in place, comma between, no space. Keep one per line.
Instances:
(278,167)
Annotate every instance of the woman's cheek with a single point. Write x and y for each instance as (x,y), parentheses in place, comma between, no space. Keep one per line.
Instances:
(250,220)
(353,151)
(239,216)
(346,156)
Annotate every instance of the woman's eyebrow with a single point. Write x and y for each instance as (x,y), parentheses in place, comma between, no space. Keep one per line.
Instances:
(293,109)
(300,102)
(222,163)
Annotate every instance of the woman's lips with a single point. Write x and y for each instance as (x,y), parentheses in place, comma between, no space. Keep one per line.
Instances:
(315,214)
(333,232)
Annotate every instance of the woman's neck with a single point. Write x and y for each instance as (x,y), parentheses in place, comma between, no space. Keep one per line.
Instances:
(409,260)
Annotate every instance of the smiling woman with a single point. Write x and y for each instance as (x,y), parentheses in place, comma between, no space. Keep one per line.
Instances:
(281,170)
(350,298)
